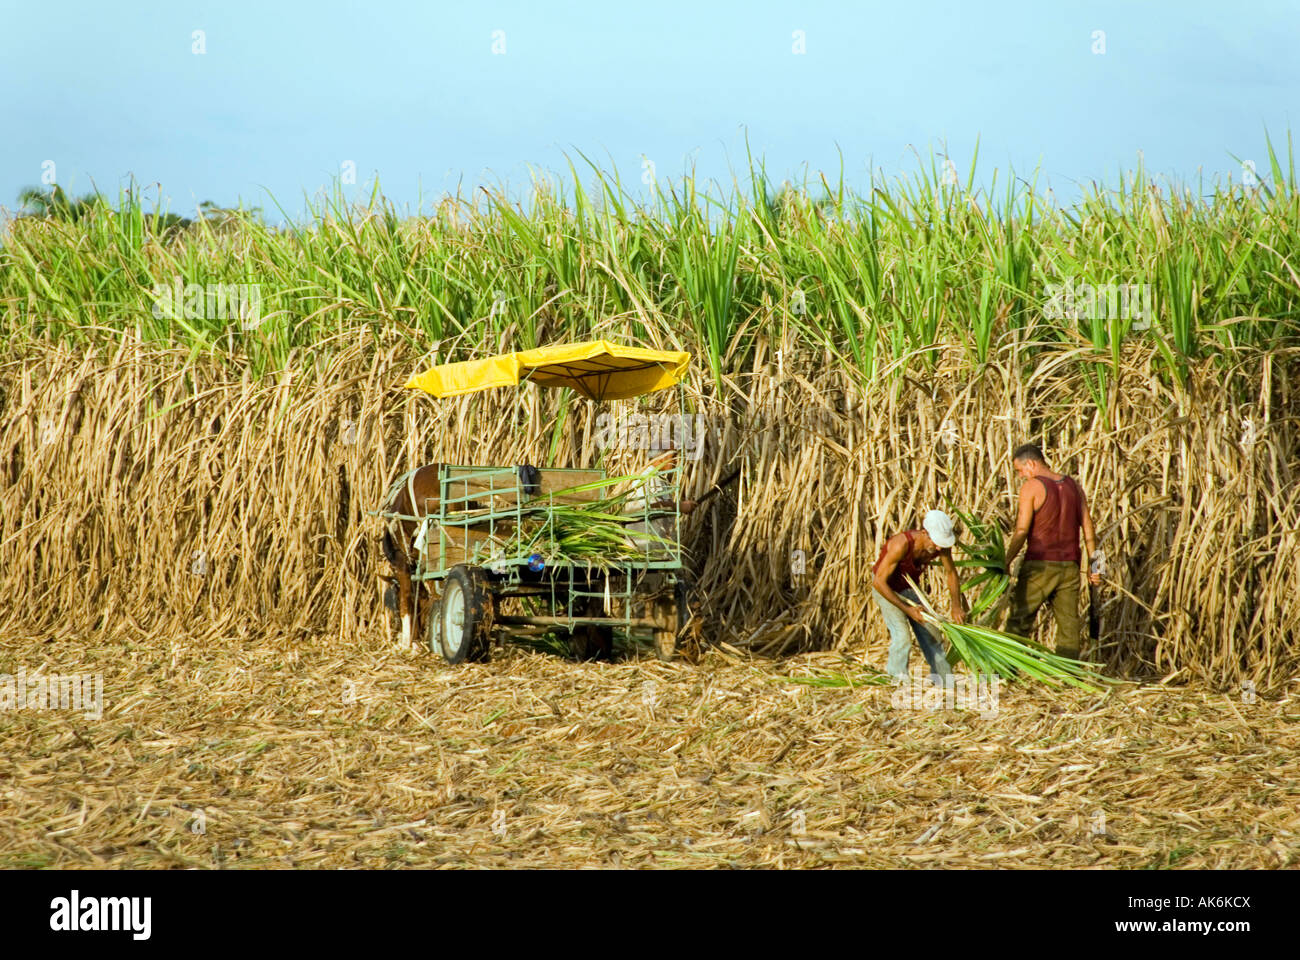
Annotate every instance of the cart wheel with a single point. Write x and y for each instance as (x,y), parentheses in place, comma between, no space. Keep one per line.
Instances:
(462,630)
(592,641)
(666,640)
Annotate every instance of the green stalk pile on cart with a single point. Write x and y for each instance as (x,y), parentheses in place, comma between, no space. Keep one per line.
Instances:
(592,533)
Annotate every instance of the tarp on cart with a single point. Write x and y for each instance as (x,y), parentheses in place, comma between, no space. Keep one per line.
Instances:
(597,370)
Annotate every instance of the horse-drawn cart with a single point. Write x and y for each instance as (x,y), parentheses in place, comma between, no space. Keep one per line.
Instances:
(512,550)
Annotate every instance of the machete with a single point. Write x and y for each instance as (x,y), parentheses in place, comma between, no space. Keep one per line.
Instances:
(717,487)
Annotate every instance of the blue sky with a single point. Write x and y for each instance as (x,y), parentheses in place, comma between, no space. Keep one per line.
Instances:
(288,91)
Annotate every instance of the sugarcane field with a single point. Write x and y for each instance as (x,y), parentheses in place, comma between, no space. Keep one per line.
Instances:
(839,503)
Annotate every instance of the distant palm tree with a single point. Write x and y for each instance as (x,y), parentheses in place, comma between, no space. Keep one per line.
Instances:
(223,216)
(779,206)
(57,204)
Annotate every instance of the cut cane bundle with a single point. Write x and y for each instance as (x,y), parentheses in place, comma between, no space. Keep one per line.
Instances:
(992,652)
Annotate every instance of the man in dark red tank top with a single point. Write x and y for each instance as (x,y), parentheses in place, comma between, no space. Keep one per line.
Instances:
(1053,511)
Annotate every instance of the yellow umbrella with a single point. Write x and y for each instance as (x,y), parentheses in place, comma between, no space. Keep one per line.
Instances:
(598,370)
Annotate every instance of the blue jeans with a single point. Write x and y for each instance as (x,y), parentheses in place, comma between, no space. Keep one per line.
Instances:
(900,637)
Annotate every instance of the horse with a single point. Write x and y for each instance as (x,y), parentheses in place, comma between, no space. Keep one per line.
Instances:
(415,494)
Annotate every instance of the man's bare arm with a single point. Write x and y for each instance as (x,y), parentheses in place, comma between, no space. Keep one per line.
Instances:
(954,586)
(1024,519)
(1089,534)
(687,507)
(1089,538)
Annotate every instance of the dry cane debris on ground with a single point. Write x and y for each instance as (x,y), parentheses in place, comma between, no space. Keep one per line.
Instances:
(298,754)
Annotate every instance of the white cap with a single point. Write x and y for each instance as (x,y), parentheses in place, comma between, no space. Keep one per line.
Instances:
(939,526)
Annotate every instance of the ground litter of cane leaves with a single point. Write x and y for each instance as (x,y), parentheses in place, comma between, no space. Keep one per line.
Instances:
(281,753)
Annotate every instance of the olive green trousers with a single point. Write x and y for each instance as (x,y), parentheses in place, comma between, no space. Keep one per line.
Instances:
(1041,581)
